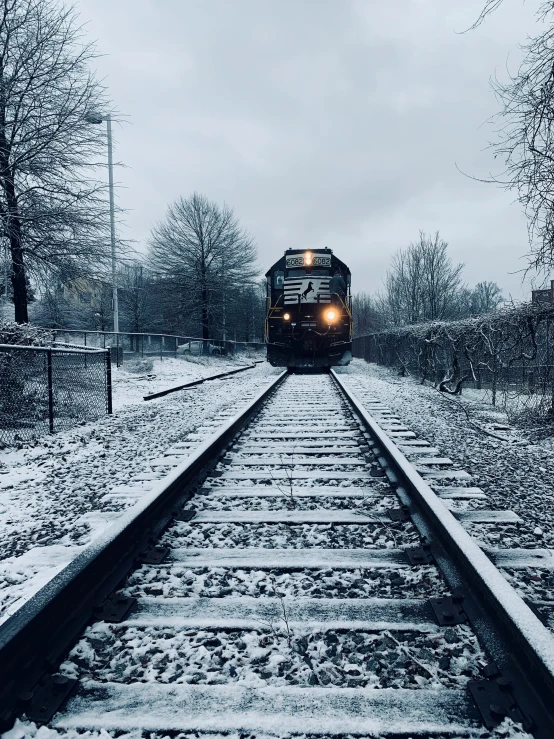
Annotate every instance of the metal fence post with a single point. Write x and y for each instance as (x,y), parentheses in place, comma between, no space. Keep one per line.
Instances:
(50,391)
(109,380)
(117,349)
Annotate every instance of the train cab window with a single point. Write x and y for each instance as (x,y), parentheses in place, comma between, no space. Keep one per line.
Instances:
(296,273)
(319,272)
(278,280)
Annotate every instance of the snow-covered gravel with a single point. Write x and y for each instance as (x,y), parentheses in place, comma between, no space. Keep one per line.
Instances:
(179,581)
(300,536)
(516,474)
(29,730)
(295,503)
(281,657)
(52,493)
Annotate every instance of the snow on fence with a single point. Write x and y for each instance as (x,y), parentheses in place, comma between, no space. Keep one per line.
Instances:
(46,389)
(508,355)
(131,346)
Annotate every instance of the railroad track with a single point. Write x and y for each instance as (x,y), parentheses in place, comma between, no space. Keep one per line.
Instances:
(294,574)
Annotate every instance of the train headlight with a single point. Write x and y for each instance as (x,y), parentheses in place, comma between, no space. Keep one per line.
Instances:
(286,316)
(331,315)
(308,258)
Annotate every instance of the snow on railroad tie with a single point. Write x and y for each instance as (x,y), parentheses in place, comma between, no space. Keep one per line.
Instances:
(324,516)
(400,434)
(413,451)
(487,516)
(280,434)
(279,710)
(293,460)
(308,427)
(295,475)
(293,450)
(434,460)
(291,559)
(444,474)
(521,558)
(328,446)
(414,443)
(167,461)
(271,491)
(460,493)
(258,614)
(146,476)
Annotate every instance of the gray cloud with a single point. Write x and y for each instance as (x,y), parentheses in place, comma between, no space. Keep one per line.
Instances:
(322,122)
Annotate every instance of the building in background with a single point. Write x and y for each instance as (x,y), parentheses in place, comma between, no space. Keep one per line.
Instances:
(545,295)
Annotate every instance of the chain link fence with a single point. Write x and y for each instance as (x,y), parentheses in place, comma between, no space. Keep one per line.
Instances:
(43,390)
(132,346)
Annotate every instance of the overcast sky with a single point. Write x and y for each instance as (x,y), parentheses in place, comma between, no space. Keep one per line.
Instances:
(335,123)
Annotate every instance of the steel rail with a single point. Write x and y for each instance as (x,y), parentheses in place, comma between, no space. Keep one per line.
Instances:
(521,646)
(36,636)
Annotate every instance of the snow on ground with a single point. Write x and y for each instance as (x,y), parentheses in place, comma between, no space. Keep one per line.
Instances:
(134,379)
(52,492)
(515,474)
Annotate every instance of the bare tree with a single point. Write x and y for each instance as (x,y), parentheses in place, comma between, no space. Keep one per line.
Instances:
(133,283)
(525,138)
(423,282)
(54,212)
(202,250)
(525,134)
(368,313)
(486,298)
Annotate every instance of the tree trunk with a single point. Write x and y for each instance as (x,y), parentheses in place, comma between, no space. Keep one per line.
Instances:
(12,228)
(18,280)
(18,268)
(204,302)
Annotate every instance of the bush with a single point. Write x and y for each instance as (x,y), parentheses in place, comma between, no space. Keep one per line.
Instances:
(24,334)
(509,354)
(140,366)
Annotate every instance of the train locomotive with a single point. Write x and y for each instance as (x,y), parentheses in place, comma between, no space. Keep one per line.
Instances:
(308,325)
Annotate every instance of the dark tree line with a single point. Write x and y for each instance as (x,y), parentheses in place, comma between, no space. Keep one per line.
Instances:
(199,279)
(149,303)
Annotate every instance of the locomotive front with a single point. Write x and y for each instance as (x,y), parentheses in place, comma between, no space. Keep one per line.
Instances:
(309,311)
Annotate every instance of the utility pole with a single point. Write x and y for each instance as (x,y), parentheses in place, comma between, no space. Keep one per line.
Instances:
(96,118)
(112,225)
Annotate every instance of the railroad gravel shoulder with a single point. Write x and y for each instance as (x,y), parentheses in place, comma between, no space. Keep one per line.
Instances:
(515,474)
(55,495)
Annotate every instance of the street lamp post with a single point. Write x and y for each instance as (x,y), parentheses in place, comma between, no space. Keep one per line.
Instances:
(98,118)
